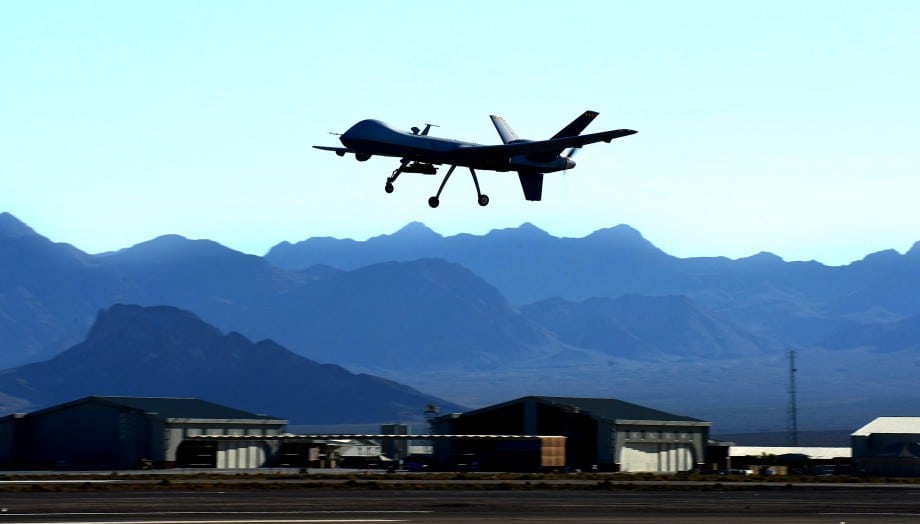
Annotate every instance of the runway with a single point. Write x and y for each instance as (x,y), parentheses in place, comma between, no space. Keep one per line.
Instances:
(768,505)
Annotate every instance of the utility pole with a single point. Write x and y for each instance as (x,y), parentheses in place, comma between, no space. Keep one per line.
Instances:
(792,423)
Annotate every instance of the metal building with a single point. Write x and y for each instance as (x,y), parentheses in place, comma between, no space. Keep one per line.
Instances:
(397,449)
(603,434)
(887,446)
(131,432)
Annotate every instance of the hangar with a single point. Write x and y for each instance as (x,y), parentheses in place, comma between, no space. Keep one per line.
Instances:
(529,433)
(887,446)
(130,432)
(603,434)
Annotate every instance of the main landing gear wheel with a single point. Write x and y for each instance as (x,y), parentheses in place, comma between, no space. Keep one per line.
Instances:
(483,200)
(392,178)
(433,202)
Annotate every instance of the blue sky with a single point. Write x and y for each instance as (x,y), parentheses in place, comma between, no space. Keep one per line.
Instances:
(781,126)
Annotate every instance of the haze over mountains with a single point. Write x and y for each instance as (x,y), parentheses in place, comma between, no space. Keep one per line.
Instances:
(165,351)
(478,319)
(793,302)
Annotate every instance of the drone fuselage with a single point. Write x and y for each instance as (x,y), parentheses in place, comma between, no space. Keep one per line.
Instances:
(373,137)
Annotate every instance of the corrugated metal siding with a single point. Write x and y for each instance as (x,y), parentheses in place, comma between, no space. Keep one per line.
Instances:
(241,454)
(654,457)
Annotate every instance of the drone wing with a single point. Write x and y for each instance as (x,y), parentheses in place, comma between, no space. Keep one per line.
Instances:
(553,145)
(338,150)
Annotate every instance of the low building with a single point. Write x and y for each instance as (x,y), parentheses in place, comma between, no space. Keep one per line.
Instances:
(131,432)
(360,453)
(396,449)
(783,460)
(888,446)
(602,434)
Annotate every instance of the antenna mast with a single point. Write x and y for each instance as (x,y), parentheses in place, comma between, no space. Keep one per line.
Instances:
(792,424)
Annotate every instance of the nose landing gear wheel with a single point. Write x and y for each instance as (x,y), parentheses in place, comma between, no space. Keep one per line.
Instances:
(392,178)
(483,200)
(433,202)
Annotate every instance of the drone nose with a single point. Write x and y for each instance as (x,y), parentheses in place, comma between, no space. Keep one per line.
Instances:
(569,163)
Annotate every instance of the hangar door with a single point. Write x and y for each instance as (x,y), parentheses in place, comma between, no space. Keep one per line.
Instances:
(656,457)
(240,454)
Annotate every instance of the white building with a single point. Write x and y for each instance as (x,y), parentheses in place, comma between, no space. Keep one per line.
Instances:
(888,446)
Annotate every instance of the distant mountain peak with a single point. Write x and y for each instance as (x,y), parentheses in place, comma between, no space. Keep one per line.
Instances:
(626,229)
(914,251)
(166,351)
(764,257)
(173,238)
(12,227)
(415,230)
(621,231)
(886,256)
(170,245)
(524,230)
(529,228)
(164,241)
(622,235)
(142,321)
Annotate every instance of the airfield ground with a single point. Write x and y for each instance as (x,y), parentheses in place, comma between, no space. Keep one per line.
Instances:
(191,498)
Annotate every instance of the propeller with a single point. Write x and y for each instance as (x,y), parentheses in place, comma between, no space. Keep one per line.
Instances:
(569,154)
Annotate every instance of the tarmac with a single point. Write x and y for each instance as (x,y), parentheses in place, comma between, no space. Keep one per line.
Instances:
(833,504)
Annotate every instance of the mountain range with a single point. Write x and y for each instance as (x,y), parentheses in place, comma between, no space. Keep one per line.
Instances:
(797,303)
(477,319)
(148,351)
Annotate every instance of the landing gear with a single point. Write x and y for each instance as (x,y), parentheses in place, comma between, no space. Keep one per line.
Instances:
(408,166)
(482,199)
(392,178)
(433,201)
(396,172)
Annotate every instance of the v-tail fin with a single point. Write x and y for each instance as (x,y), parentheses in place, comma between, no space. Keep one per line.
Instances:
(577,126)
(504,130)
